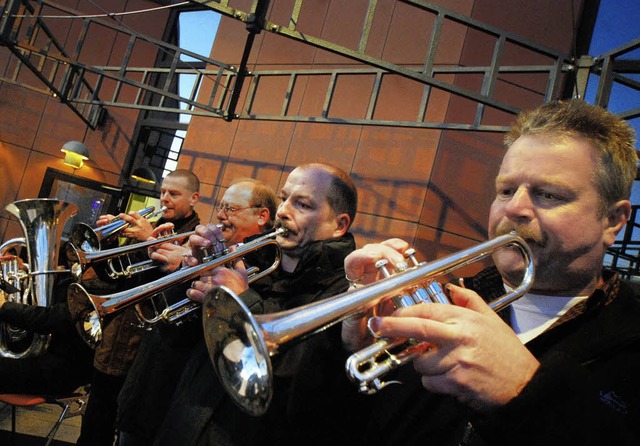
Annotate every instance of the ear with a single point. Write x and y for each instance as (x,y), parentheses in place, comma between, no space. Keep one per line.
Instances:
(195,197)
(342,225)
(617,216)
(263,216)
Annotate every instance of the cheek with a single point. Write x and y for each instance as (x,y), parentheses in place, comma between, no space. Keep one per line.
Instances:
(495,214)
(572,228)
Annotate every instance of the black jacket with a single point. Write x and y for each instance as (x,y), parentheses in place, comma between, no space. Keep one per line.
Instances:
(66,363)
(122,333)
(313,401)
(585,392)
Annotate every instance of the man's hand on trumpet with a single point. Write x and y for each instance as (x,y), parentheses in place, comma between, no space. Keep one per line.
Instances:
(473,354)
(360,269)
(139,227)
(104,219)
(169,254)
(209,238)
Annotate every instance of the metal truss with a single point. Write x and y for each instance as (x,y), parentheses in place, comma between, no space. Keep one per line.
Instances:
(87,87)
(70,72)
(615,68)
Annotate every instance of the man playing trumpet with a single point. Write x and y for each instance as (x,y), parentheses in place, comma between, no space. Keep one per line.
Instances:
(246,210)
(311,403)
(564,371)
(122,335)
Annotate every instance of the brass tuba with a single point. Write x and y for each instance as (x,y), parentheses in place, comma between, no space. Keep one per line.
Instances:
(42,221)
(240,344)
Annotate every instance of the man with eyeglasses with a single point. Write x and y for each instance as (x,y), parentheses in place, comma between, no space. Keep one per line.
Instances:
(247,209)
(313,400)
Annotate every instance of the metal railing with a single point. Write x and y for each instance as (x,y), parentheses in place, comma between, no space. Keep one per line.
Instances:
(623,256)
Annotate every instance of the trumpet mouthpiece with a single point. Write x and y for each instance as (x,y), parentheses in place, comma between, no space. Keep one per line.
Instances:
(280,228)
(158,212)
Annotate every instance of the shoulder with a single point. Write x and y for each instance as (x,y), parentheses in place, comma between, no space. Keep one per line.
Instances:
(629,294)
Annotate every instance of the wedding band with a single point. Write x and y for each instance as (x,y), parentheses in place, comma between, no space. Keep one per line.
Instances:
(353,282)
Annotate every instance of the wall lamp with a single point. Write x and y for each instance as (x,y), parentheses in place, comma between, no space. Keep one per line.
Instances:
(144,175)
(76,154)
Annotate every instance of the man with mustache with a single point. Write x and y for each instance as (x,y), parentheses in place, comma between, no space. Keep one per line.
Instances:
(563,368)
(311,403)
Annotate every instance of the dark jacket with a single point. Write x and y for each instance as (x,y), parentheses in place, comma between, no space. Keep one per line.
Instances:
(312,401)
(585,392)
(66,363)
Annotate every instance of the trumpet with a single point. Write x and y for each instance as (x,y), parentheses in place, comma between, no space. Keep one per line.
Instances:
(85,239)
(82,259)
(89,239)
(240,344)
(89,322)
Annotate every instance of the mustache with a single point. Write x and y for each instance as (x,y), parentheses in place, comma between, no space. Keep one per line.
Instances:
(281,224)
(525,232)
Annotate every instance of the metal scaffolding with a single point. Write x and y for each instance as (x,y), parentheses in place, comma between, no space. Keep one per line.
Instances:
(60,64)
(66,71)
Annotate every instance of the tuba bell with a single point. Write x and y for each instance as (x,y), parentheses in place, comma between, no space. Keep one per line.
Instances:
(240,344)
(42,221)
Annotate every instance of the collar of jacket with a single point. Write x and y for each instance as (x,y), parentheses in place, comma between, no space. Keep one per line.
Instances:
(182,224)
(320,266)
(326,255)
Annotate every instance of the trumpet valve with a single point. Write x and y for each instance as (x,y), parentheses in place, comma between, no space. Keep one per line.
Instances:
(411,255)
(436,293)
(381,265)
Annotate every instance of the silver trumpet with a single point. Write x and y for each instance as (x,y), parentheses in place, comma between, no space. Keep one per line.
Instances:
(240,344)
(82,260)
(90,310)
(90,239)
(86,240)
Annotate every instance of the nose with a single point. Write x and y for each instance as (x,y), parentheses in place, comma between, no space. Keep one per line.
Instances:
(521,205)
(284,209)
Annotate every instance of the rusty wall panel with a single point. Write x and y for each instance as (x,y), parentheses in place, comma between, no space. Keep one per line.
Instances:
(430,187)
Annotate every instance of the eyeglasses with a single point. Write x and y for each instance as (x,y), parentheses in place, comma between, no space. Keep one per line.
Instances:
(231,210)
